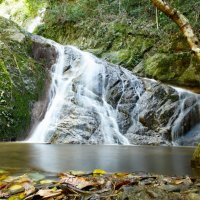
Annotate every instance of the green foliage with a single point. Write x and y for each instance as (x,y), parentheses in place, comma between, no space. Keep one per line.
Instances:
(120,31)
(34,6)
(196,154)
(196,157)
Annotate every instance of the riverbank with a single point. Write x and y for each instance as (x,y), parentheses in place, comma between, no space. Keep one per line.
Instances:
(32,171)
(97,184)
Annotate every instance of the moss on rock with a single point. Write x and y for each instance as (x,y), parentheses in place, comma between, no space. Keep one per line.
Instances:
(171,61)
(21,81)
(127,36)
(166,67)
(196,157)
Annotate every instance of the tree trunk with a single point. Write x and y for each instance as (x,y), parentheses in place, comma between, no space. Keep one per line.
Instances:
(183,24)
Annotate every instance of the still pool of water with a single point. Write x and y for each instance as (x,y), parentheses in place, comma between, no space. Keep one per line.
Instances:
(62,157)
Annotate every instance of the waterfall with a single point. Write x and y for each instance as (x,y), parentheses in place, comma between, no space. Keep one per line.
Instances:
(185,129)
(78,77)
(184,124)
(93,102)
(34,23)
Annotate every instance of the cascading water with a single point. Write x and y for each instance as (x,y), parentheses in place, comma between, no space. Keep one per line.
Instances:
(186,128)
(36,21)
(183,126)
(74,78)
(92,102)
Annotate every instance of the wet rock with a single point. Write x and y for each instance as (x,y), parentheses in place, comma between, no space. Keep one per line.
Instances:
(117,105)
(43,52)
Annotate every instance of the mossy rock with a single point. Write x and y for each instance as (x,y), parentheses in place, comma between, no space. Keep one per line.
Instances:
(118,57)
(128,38)
(196,157)
(191,76)
(21,81)
(167,67)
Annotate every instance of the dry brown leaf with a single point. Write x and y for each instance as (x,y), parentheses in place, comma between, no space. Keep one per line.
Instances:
(29,189)
(120,183)
(48,193)
(177,182)
(23,179)
(78,182)
(2,185)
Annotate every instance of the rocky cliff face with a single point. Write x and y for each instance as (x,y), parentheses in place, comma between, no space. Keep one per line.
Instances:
(21,81)
(96,94)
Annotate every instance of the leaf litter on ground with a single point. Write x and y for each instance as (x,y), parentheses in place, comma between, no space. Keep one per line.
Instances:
(97,184)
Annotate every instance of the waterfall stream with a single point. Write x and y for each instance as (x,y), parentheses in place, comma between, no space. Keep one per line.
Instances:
(83,70)
(188,120)
(34,23)
(93,102)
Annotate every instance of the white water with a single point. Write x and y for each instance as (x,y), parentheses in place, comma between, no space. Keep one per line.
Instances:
(36,21)
(84,68)
(185,128)
(189,105)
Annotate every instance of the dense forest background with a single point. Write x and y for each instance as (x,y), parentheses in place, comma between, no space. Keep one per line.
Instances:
(130,33)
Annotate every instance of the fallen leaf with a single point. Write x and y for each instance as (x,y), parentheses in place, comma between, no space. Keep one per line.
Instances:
(187,180)
(23,179)
(78,182)
(46,181)
(76,173)
(2,185)
(3,177)
(121,183)
(10,179)
(30,191)
(17,197)
(99,172)
(29,188)
(120,174)
(2,171)
(16,189)
(48,193)
(177,182)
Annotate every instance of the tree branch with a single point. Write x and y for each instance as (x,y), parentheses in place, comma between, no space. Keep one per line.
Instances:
(183,24)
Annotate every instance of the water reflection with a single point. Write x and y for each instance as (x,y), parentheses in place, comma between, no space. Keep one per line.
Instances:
(56,158)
